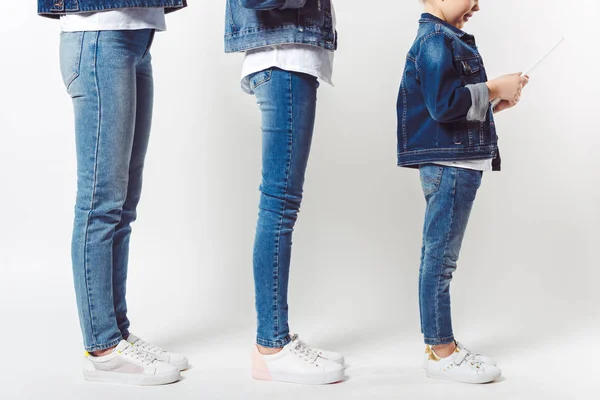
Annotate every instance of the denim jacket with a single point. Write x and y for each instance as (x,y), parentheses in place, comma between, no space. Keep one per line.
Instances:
(443,106)
(250,24)
(56,8)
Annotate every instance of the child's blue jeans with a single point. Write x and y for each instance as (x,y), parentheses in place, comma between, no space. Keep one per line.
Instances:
(450,193)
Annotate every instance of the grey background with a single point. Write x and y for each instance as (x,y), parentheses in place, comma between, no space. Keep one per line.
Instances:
(525,286)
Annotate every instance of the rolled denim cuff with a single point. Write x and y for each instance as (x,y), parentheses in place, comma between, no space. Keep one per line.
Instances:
(480,96)
(293,4)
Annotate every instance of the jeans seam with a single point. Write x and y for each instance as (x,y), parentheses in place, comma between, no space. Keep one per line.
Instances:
(454,174)
(287,181)
(147,51)
(86,263)
(280,225)
(421,284)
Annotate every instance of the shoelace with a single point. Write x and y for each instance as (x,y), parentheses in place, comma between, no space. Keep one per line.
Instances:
(143,357)
(149,348)
(469,351)
(296,337)
(307,353)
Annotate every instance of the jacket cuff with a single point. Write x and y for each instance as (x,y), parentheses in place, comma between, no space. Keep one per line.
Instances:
(480,102)
(293,4)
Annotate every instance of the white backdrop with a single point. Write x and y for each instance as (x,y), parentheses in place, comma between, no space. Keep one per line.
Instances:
(526,280)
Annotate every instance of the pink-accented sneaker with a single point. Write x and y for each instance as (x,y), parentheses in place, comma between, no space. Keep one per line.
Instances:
(296,363)
(326,354)
(129,366)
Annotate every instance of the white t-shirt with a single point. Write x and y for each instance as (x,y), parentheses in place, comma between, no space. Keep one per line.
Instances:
(477,165)
(115,20)
(306,59)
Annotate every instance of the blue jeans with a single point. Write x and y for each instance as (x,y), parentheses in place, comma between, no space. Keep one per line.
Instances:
(450,193)
(287,101)
(109,77)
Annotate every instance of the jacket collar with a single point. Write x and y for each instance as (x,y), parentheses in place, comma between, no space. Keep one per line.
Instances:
(430,18)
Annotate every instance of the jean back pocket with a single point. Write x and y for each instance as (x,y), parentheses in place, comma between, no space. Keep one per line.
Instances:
(71,44)
(260,78)
(431,177)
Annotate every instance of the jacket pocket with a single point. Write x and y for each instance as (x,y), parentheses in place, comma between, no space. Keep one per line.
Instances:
(71,44)
(470,71)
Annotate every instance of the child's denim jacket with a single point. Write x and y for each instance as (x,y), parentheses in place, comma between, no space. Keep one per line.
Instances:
(444,113)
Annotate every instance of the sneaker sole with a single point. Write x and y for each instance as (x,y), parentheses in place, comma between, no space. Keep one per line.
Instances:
(182,365)
(131,379)
(470,381)
(493,363)
(308,379)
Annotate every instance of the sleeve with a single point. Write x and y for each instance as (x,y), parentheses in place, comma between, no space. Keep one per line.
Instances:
(445,96)
(480,102)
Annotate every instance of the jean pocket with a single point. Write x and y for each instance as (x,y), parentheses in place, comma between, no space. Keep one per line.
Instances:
(260,78)
(431,177)
(470,184)
(71,44)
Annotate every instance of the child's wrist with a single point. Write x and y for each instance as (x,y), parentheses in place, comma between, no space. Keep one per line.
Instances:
(493,90)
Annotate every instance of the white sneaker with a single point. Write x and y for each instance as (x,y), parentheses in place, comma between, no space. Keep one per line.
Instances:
(328,355)
(460,366)
(296,363)
(130,366)
(177,360)
(478,357)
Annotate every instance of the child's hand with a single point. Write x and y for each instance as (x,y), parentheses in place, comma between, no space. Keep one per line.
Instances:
(508,87)
(504,105)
